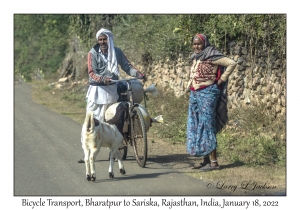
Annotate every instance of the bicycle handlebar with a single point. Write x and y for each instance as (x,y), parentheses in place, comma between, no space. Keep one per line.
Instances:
(134,78)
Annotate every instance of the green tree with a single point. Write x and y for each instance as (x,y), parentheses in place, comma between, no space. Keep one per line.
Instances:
(40,42)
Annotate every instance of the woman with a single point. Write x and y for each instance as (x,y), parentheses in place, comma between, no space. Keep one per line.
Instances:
(205,83)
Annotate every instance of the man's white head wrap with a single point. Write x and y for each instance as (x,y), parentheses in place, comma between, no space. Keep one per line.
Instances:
(111,57)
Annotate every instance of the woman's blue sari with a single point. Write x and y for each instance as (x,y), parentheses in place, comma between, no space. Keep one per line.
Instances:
(201,125)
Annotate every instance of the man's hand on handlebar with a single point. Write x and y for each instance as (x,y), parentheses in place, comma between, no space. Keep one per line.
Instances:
(140,75)
(106,80)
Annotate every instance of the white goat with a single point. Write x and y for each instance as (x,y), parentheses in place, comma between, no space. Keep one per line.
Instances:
(103,135)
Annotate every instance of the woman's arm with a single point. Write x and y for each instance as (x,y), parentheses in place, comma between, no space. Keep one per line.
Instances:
(229,63)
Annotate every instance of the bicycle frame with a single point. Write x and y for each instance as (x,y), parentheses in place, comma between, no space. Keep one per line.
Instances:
(137,136)
(131,103)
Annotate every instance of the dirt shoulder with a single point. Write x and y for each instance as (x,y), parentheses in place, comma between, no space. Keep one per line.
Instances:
(234,178)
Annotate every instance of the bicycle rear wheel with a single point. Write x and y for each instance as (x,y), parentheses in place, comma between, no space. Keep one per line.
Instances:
(139,137)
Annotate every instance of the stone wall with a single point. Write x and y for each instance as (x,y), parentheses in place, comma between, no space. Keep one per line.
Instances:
(258,77)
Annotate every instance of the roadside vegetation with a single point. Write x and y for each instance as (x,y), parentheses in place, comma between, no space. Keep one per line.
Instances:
(144,37)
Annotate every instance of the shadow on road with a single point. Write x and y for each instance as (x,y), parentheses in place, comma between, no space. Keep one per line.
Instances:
(120,177)
(173,161)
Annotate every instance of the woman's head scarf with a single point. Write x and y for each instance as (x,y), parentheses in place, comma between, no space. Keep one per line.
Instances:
(209,52)
(111,57)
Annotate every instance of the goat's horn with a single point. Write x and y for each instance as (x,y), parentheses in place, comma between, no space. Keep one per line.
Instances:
(151,89)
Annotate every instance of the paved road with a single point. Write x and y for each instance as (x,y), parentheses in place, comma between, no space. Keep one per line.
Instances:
(46,149)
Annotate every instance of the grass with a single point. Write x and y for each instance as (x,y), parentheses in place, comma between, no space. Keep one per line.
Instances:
(254,136)
(69,102)
(174,111)
(252,147)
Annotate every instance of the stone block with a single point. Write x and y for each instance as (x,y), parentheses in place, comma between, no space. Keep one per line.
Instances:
(166,78)
(263,90)
(283,111)
(179,81)
(240,60)
(241,68)
(235,58)
(283,100)
(240,82)
(274,97)
(244,51)
(247,100)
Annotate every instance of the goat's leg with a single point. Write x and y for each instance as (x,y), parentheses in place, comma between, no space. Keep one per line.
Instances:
(93,155)
(121,165)
(87,164)
(111,164)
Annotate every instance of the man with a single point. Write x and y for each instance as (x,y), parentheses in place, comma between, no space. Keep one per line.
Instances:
(103,61)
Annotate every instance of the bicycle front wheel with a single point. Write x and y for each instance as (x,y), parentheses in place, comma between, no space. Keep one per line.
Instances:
(139,137)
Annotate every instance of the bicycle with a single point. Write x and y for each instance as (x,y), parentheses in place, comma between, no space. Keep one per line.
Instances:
(137,124)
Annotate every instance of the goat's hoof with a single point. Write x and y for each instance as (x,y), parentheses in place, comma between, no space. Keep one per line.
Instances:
(88,177)
(93,178)
(122,171)
(111,175)
(81,161)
